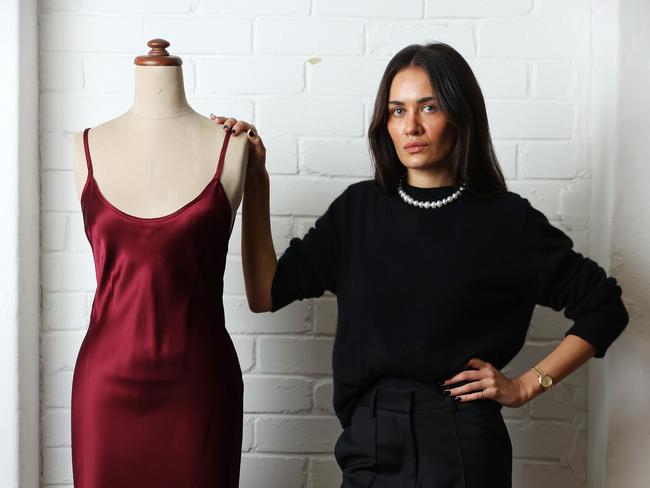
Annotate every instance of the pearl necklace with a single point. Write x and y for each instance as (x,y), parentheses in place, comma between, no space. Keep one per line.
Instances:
(431,204)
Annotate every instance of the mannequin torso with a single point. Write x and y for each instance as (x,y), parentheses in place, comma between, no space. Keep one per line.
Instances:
(159,155)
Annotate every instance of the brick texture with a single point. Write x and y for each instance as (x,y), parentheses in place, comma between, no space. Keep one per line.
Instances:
(305,72)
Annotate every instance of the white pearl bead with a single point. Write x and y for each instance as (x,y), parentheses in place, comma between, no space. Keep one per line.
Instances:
(434,204)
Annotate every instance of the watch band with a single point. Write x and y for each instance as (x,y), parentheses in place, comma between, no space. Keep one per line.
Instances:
(545,380)
(539,370)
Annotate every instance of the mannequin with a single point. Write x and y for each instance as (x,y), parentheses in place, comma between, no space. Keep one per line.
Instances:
(160,154)
(157,389)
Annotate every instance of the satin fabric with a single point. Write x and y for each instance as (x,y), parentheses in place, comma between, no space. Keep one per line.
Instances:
(157,388)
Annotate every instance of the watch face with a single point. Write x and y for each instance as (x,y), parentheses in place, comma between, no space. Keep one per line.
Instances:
(547,381)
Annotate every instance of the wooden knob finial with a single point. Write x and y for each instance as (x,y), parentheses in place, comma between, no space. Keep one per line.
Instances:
(158,47)
(158,55)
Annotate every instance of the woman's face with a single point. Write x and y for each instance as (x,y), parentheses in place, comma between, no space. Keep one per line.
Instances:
(422,136)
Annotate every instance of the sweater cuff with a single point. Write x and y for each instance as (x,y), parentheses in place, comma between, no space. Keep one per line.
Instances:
(282,291)
(599,329)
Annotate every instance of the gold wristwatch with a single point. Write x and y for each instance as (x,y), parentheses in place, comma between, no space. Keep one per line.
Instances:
(545,380)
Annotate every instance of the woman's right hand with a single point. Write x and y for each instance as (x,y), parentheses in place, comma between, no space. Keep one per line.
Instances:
(257,155)
(259,260)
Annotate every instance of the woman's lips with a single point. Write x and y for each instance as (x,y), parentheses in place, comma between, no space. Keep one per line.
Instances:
(415,149)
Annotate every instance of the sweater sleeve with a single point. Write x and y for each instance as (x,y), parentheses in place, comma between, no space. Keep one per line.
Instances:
(556,276)
(308,266)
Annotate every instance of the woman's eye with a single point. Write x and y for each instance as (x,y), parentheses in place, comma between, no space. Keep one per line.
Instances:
(395,110)
(432,107)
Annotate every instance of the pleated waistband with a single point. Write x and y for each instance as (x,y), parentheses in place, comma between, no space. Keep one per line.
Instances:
(406,396)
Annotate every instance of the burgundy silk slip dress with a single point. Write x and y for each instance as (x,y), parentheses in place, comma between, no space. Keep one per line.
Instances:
(157,387)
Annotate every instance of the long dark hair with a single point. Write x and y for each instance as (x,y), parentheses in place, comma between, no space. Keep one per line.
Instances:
(472,159)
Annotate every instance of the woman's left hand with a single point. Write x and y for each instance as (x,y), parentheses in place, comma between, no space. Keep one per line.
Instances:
(488,380)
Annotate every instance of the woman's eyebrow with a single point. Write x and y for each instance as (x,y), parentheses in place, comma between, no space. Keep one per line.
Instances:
(425,99)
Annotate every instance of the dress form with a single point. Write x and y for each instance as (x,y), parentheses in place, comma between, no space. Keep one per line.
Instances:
(160,154)
(157,389)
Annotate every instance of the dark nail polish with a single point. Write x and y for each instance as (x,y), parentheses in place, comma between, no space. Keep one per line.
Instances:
(447,392)
(251,133)
(233,130)
(441,382)
(225,127)
(457,399)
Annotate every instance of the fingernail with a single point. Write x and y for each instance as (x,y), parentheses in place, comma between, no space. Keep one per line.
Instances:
(441,382)
(233,130)
(225,127)
(251,133)
(457,399)
(447,392)
(212,116)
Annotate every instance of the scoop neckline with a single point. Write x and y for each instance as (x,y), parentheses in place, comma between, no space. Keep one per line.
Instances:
(137,218)
(91,181)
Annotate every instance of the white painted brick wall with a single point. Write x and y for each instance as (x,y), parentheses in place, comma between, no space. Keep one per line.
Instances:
(305,72)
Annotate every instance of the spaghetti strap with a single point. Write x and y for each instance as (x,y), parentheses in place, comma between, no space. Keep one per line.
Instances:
(222,156)
(87,150)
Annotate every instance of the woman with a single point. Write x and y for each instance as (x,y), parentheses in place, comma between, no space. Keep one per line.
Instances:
(437,268)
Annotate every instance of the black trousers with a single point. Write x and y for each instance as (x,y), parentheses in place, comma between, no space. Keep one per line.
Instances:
(407,435)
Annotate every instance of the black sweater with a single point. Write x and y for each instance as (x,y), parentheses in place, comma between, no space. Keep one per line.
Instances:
(420,291)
